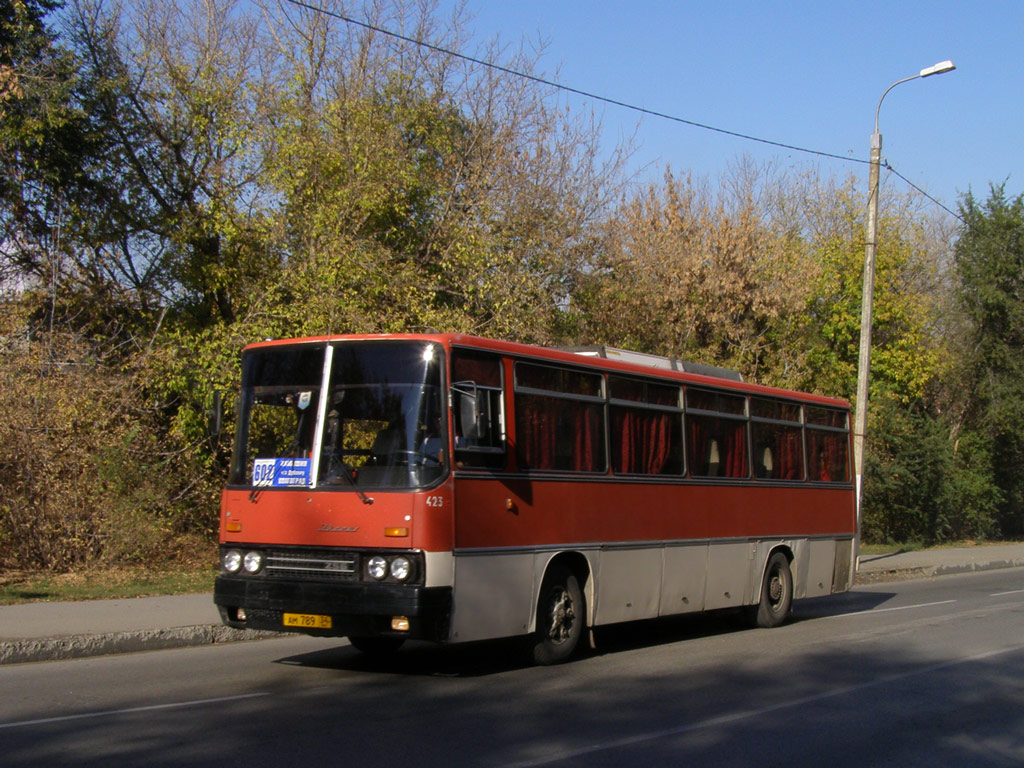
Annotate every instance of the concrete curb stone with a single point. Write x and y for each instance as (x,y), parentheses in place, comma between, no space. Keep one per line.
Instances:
(84,646)
(875,575)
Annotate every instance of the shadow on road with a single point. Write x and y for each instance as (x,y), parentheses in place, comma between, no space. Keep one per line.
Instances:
(498,656)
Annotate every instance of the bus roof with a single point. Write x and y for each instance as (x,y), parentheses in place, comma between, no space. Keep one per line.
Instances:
(582,357)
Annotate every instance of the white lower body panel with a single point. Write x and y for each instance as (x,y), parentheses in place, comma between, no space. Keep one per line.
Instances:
(496,591)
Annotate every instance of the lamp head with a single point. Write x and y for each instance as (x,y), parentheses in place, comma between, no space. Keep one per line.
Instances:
(938,69)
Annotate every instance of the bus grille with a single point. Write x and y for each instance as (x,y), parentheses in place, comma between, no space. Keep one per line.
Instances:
(313,565)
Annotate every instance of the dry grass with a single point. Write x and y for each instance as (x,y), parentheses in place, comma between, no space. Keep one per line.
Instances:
(100,584)
(190,570)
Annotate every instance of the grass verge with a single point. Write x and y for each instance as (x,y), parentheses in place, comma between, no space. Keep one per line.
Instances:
(103,584)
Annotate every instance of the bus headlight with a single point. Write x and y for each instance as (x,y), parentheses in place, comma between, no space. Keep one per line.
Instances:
(401,568)
(253,561)
(232,561)
(377,567)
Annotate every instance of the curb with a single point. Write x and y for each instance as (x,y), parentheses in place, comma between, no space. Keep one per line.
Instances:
(932,571)
(84,646)
(993,565)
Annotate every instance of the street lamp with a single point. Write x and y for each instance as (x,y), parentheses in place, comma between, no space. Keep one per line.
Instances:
(864,361)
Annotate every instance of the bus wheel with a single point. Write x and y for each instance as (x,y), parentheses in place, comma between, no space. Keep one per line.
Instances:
(377,646)
(560,617)
(776,593)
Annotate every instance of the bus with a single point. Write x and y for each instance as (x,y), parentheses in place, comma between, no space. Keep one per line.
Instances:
(450,488)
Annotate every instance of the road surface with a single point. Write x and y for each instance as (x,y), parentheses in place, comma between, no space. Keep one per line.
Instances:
(927,673)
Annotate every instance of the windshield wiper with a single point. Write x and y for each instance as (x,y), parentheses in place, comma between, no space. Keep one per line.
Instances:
(349,473)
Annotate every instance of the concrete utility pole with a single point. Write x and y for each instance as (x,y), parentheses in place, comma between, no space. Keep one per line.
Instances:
(864,360)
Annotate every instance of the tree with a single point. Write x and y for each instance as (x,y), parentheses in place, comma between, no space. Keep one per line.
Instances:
(922,485)
(764,276)
(174,94)
(695,275)
(989,258)
(41,136)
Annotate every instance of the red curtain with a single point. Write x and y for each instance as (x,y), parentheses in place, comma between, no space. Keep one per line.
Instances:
(736,448)
(536,430)
(828,453)
(727,437)
(559,434)
(791,454)
(642,441)
(586,428)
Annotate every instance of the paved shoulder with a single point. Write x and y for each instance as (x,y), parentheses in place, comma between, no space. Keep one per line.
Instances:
(939,562)
(51,631)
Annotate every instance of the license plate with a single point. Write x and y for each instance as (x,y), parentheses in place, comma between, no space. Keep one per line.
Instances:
(307,620)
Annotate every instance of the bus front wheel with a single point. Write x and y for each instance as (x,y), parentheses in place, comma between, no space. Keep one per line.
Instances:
(560,617)
(776,593)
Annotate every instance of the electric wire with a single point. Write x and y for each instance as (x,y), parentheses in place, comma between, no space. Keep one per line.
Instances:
(909,183)
(612,101)
(570,89)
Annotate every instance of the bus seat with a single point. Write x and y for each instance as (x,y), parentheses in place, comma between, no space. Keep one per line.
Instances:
(714,458)
(387,442)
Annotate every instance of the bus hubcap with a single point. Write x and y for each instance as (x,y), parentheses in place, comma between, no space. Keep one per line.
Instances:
(775,589)
(562,615)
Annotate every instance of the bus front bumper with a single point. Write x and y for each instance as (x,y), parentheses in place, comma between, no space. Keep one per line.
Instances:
(334,610)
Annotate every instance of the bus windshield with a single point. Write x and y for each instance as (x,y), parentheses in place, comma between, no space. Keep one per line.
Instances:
(380,428)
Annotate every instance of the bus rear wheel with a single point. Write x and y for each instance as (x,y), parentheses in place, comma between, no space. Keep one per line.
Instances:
(776,593)
(560,617)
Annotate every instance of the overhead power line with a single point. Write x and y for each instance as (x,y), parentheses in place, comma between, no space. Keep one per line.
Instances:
(570,89)
(607,99)
(909,183)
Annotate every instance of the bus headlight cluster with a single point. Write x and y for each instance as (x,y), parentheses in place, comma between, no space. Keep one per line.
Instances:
(398,568)
(235,560)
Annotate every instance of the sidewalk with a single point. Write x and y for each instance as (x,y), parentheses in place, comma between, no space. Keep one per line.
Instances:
(51,631)
(938,562)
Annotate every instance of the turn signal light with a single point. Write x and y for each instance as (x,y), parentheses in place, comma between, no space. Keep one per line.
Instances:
(400,623)
(397,533)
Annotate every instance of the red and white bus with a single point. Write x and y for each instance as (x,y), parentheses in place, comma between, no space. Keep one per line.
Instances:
(453,488)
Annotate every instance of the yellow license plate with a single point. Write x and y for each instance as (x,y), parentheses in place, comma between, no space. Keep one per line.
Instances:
(307,620)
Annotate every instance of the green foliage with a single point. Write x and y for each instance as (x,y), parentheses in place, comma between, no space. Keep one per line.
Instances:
(923,484)
(990,266)
(43,139)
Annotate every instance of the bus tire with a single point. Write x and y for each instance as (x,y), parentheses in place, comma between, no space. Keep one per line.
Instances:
(377,646)
(776,593)
(561,617)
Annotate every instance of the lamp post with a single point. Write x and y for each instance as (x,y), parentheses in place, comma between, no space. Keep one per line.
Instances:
(864,361)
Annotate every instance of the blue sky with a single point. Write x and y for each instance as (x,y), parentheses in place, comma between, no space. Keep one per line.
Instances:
(802,73)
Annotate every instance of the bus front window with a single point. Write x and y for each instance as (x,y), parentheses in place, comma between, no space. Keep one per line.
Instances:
(277,417)
(381,426)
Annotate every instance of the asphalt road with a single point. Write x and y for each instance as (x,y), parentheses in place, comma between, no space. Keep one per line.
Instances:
(927,672)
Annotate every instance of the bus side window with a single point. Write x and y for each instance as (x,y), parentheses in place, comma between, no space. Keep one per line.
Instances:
(477,413)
